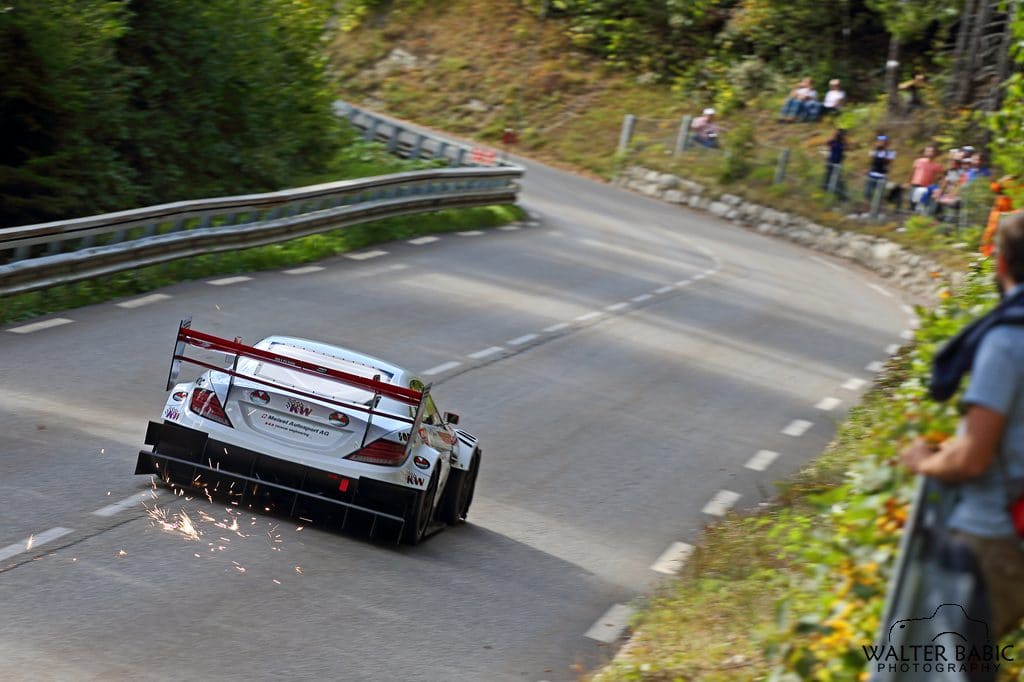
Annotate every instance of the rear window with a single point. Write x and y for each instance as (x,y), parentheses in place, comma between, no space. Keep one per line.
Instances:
(314,384)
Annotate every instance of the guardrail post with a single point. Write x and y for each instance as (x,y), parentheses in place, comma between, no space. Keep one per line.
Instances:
(683,136)
(780,167)
(393,139)
(371,130)
(417,147)
(460,157)
(626,134)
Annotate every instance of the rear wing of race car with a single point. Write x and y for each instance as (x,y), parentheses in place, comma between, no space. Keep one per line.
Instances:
(236,349)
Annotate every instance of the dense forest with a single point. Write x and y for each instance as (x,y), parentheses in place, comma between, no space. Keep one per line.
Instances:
(110,104)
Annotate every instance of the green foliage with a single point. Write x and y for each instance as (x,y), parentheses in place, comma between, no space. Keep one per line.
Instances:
(1007,125)
(737,161)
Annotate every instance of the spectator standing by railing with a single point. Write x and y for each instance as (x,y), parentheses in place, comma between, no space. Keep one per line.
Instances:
(924,178)
(834,164)
(880,160)
(985,460)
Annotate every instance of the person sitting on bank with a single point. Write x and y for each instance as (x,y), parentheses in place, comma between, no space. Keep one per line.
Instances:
(834,98)
(801,100)
(705,129)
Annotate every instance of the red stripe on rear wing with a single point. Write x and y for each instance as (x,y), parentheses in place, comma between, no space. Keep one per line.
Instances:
(199,339)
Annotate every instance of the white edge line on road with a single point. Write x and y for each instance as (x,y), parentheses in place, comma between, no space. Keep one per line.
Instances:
(225,281)
(828,404)
(700,275)
(365,255)
(875,367)
(854,384)
(510,228)
(614,307)
(486,352)
(797,427)
(306,270)
(126,503)
(557,327)
(440,368)
(673,559)
(420,241)
(881,290)
(826,263)
(641,298)
(35,540)
(611,625)
(721,503)
(39,326)
(589,316)
(663,290)
(143,300)
(520,340)
(685,282)
(471,233)
(761,460)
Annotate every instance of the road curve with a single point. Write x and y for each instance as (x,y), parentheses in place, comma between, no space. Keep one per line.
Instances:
(633,370)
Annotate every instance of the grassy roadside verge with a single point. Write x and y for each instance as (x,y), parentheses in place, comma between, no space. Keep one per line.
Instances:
(795,591)
(295,252)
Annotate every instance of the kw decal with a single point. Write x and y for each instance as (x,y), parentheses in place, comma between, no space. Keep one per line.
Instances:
(414,480)
(298,407)
(172,413)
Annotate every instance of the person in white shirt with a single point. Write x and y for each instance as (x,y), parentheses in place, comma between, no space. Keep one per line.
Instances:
(834,98)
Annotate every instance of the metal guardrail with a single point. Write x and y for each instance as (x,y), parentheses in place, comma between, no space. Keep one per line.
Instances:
(35,257)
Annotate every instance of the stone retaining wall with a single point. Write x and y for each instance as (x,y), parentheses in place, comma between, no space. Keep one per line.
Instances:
(906,270)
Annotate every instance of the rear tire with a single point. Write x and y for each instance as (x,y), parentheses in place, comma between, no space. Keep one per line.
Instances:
(417,519)
(459,492)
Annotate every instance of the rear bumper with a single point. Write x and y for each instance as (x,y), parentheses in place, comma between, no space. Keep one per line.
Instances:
(188,457)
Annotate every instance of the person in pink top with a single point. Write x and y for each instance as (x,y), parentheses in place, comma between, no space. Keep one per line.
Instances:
(924,177)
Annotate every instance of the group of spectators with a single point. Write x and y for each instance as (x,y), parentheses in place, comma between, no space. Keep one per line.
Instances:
(803,105)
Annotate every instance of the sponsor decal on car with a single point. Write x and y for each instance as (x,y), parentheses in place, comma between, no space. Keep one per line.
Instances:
(180,395)
(421,462)
(298,407)
(172,413)
(410,479)
(259,397)
(281,423)
(338,418)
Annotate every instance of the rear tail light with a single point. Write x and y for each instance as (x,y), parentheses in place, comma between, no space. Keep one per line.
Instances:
(206,404)
(382,452)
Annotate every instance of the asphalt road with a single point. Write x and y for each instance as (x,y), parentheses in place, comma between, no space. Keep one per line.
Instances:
(621,360)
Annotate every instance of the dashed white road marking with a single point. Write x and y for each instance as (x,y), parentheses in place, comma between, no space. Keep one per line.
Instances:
(32,542)
(721,503)
(420,241)
(854,384)
(611,625)
(673,559)
(305,270)
(520,340)
(366,255)
(828,404)
(663,290)
(126,503)
(444,367)
(684,282)
(616,307)
(700,275)
(557,327)
(143,300)
(589,316)
(907,334)
(486,352)
(641,298)
(892,348)
(827,263)
(510,228)
(761,460)
(39,326)
(880,289)
(471,233)
(226,281)
(875,367)
(797,427)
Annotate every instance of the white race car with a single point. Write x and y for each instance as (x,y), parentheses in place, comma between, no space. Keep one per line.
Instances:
(311,428)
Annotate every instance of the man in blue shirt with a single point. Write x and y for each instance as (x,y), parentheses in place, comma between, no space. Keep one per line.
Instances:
(985,461)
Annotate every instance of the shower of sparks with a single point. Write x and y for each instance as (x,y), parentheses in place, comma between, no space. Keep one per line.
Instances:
(180,522)
(103,451)
(122,553)
(299,529)
(276,581)
(298,569)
